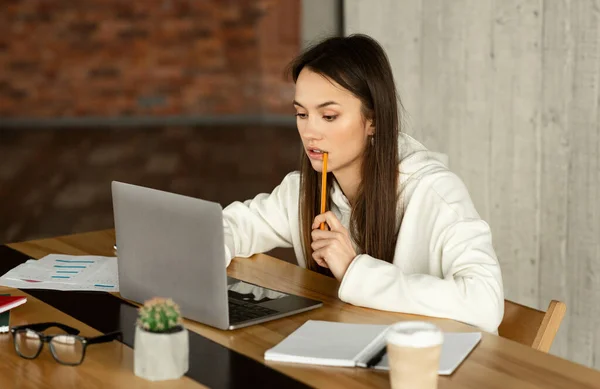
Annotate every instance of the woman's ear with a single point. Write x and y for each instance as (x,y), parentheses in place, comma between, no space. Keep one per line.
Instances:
(370,127)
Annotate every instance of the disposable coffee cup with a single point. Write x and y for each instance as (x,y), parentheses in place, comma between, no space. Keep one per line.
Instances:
(413,349)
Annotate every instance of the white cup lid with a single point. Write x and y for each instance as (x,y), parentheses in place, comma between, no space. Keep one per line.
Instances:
(418,334)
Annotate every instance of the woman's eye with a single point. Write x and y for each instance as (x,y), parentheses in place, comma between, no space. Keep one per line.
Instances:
(329,118)
(301,115)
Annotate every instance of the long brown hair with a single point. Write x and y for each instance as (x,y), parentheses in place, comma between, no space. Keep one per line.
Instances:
(358,64)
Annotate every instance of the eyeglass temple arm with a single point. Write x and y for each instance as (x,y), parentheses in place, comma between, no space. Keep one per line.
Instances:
(106,337)
(45,326)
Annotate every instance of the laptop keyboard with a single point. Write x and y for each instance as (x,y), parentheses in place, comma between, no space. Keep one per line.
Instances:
(241,311)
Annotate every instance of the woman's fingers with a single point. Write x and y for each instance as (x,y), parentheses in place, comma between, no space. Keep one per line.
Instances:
(318,257)
(320,235)
(331,220)
(321,243)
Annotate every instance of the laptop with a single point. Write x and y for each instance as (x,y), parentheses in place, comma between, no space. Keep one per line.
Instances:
(170,245)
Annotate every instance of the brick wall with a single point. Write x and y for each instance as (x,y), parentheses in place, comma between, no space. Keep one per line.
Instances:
(146,57)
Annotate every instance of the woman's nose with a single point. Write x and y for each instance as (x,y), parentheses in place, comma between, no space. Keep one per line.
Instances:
(309,130)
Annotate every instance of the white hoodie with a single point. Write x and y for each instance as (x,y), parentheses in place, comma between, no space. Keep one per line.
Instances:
(444,264)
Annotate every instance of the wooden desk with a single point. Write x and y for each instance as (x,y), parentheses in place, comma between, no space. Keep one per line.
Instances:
(495,363)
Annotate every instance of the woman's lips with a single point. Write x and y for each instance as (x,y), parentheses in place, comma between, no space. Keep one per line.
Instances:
(315,155)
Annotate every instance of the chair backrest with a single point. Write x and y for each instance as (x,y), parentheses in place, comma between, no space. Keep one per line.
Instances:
(532,327)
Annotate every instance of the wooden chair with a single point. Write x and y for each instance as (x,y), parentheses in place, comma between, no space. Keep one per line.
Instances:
(531,327)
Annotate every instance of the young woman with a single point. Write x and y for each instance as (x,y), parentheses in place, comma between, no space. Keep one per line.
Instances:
(403,234)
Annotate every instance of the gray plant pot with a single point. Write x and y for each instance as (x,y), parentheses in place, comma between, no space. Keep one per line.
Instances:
(160,356)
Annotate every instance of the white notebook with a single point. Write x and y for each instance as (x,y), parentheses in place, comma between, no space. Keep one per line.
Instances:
(342,344)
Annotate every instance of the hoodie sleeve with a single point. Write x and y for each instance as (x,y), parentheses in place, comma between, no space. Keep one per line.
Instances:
(262,223)
(467,285)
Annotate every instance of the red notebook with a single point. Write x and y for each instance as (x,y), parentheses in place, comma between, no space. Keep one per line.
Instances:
(9,302)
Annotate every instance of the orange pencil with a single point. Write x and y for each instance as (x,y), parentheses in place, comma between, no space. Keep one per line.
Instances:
(324,187)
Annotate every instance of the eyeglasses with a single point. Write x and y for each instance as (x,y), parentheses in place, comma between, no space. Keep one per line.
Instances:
(67,349)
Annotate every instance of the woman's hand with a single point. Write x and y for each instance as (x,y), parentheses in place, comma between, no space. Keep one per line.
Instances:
(332,249)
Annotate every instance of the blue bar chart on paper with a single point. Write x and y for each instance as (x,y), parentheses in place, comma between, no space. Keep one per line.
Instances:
(65,272)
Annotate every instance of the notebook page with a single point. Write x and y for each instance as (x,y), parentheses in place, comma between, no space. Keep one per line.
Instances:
(325,343)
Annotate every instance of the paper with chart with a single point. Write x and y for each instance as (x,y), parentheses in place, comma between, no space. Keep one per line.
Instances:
(65,272)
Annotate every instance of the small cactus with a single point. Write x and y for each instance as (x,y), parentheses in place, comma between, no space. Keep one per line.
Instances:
(159,315)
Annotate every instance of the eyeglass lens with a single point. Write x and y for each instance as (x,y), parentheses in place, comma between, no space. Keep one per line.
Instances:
(67,349)
(28,343)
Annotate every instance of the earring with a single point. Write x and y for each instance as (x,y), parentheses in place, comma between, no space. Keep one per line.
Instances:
(372,140)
